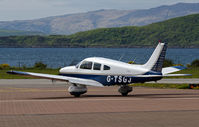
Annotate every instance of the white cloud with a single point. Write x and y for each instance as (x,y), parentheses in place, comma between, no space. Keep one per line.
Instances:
(31,9)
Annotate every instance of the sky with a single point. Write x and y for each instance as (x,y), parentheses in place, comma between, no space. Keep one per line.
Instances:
(33,9)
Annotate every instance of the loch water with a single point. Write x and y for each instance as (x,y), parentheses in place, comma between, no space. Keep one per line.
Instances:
(59,57)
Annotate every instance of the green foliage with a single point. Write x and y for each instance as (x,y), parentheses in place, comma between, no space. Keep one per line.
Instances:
(184,86)
(4,66)
(39,65)
(178,65)
(18,33)
(195,63)
(178,32)
(131,62)
(168,63)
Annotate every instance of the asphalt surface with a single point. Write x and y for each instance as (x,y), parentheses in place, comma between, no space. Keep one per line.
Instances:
(39,103)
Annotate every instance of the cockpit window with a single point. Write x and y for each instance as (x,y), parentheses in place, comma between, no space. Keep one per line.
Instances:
(86,65)
(97,66)
(106,67)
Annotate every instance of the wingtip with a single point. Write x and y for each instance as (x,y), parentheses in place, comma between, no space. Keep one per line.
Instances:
(10,72)
(180,67)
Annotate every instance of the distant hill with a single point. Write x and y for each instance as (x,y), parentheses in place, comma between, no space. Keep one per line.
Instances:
(72,23)
(178,32)
(18,33)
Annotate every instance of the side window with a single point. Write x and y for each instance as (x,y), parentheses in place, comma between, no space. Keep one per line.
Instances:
(86,65)
(97,66)
(106,67)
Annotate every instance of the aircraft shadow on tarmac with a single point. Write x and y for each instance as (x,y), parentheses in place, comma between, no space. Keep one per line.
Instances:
(170,95)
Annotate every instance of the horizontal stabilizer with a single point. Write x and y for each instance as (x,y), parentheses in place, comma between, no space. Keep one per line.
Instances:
(81,81)
(176,75)
(168,70)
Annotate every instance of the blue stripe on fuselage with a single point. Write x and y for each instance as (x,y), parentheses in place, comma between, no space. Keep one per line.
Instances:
(153,73)
(108,80)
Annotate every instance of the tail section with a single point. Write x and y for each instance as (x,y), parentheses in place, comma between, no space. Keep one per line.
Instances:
(168,70)
(155,62)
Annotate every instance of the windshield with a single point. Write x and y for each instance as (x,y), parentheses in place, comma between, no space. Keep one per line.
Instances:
(86,65)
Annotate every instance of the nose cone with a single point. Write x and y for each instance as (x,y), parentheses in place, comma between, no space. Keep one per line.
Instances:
(67,69)
(61,70)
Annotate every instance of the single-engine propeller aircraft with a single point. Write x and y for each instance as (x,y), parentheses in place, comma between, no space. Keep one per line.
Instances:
(99,72)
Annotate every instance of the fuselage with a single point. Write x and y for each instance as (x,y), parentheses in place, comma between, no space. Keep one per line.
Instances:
(107,71)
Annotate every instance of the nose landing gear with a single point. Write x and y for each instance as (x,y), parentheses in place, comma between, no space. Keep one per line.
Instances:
(125,89)
(77,90)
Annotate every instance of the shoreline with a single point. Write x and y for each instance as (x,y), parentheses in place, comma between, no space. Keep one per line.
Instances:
(171,47)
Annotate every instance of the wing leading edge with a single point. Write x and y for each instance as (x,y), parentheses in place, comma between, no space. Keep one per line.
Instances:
(81,81)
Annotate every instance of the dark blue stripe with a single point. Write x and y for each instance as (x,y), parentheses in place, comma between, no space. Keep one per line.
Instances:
(179,67)
(103,79)
(153,73)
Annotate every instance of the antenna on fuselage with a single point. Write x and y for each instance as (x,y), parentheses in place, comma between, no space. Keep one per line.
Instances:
(121,56)
(134,59)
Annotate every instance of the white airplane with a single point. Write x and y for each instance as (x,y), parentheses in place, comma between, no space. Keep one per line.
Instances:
(100,72)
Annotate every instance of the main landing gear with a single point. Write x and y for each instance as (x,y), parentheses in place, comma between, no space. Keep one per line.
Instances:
(125,89)
(76,90)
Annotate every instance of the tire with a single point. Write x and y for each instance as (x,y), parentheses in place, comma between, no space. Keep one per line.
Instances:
(77,95)
(124,94)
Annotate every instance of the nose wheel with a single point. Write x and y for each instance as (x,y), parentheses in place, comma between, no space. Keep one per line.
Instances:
(125,89)
(77,90)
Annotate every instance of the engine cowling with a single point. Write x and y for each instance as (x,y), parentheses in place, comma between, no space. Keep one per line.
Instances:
(77,90)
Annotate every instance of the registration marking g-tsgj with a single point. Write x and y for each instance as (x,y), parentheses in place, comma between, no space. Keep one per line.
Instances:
(118,79)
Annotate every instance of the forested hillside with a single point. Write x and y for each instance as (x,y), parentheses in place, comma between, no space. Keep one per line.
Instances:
(17,33)
(178,32)
(72,23)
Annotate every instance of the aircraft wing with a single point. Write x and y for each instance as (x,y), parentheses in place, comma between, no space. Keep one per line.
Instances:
(82,81)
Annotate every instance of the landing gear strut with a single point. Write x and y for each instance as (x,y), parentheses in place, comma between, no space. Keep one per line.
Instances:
(125,89)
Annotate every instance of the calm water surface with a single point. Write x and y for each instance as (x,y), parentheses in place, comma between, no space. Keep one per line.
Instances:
(59,57)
